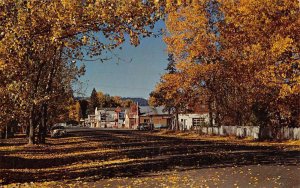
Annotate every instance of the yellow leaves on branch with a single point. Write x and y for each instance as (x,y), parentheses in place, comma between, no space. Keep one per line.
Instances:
(2,65)
(281,45)
(285,90)
(85,40)
(190,27)
(246,52)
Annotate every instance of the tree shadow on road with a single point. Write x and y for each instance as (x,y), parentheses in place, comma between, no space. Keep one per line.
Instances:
(107,154)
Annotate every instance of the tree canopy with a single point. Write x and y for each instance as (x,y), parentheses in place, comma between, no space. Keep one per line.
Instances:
(243,55)
(41,40)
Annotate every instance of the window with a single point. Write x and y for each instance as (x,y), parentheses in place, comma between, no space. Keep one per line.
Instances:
(103,117)
(121,115)
(198,121)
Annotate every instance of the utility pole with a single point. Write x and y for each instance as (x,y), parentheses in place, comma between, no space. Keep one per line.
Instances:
(137,112)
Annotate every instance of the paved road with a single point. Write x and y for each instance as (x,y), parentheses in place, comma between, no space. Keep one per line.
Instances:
(87,129)
(112,158)
(175,162)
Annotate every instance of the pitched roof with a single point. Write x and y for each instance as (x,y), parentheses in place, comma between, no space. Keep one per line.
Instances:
(111,109)
(149,110)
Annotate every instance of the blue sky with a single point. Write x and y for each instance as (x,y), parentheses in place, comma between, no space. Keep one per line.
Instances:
(135,78)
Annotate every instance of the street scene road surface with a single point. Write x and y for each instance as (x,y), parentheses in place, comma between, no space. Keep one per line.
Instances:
(129,158)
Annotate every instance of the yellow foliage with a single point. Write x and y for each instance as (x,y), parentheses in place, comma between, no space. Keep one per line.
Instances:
(246,52)
(281,45)
(40,42)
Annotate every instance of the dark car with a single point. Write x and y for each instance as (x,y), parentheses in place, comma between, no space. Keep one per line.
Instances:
(145,127)
(58,131)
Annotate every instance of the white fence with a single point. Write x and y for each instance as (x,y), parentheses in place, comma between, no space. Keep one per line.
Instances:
(251,131)
(290,133)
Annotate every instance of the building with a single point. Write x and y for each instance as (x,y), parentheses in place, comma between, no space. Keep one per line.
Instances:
(192,120)
(106,118)
(90,121)
(109,117)
(132,117)
(198,117)
(155,115)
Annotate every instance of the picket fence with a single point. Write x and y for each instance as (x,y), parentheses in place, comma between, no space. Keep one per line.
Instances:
(251,131)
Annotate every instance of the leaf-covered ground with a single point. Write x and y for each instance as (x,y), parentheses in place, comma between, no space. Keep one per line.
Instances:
(118,158)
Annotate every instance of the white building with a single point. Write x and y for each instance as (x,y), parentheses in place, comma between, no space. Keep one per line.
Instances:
(107,118)
(190,121)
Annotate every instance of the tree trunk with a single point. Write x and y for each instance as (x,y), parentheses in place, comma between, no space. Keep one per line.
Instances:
(218,118)
(6,132)
(31,137)
(44,118)
(169,120)
(210,113)
(176,121)
(295,114)
(27,130)
(43,125)
(38,137)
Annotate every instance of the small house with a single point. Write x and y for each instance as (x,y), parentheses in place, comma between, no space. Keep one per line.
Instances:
(199,116)
(132,117)
(155,115)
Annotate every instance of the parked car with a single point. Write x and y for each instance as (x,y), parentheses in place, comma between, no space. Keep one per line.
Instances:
(145,126)
(58,131)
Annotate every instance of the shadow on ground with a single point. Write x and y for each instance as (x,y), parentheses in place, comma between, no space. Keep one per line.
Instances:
(132,154)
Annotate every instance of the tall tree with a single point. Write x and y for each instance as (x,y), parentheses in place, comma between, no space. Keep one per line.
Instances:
(246,55)
(84,108)
(37,37)
(94,101)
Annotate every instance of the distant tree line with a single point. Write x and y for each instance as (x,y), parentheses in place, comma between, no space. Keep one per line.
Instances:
(139,100)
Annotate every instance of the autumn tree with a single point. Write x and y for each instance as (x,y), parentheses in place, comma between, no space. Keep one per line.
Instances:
(171,67)
(75,112)
(178,89)
(117,100)
(127,103)
(104,100)
(246,55)
(93,102)
(165,93)
(36,37)
(107,101)
(170,94)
